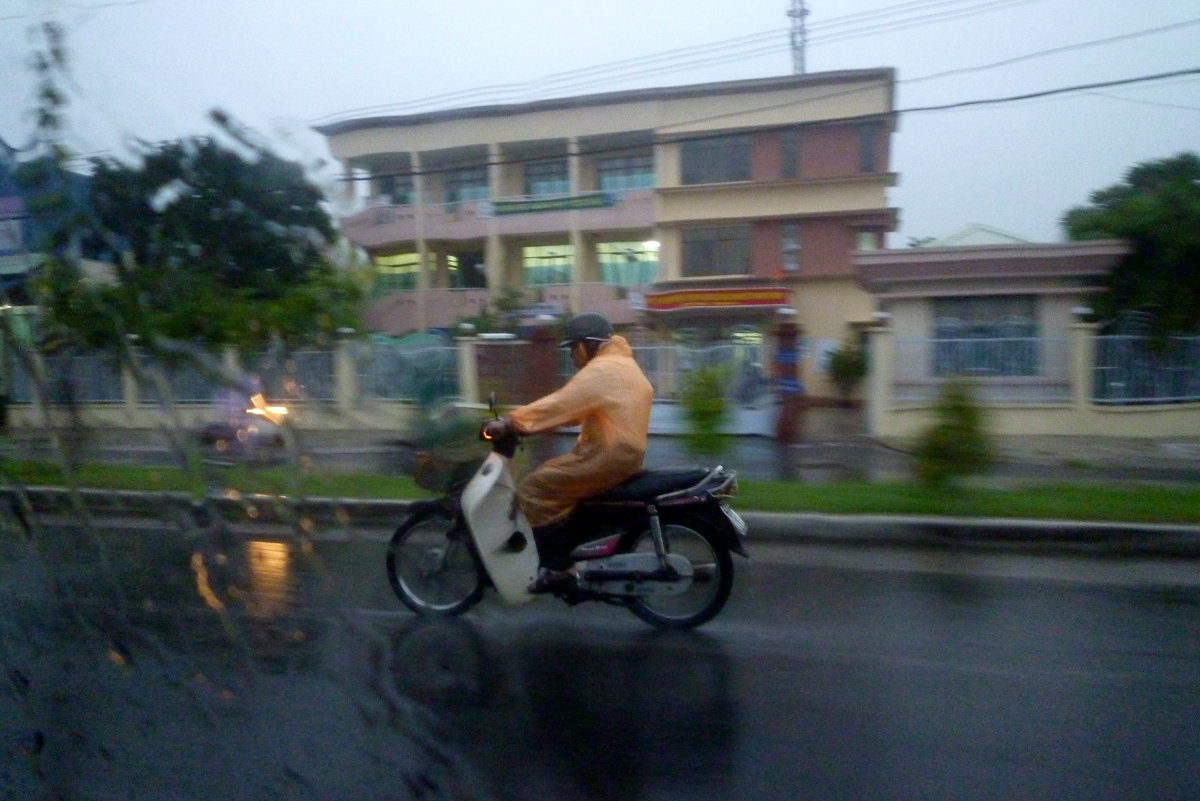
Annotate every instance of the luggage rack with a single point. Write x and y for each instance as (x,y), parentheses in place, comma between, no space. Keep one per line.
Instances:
(727,487)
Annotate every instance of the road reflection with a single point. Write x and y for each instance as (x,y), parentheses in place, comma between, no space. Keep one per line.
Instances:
(269,567)
(555,710)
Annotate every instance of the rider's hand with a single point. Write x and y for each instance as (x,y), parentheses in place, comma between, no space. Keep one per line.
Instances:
(495,429)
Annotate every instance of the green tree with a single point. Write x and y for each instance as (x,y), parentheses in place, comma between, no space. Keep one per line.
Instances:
(1156,208)
(216,247)
(209,244)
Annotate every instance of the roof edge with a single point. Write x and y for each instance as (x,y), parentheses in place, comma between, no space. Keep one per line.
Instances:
(609,98)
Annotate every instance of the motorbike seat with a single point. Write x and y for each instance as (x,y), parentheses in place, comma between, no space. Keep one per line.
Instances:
(649,484)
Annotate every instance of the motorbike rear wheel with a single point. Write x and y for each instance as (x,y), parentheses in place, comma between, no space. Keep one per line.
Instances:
(432,567)
(711,583)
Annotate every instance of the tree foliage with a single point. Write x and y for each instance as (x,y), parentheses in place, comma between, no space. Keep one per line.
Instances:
(209,245)
(1157,209)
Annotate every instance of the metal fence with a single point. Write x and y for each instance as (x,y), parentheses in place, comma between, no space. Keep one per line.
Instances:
(384,372)
(1135,370)
(98,379)
(1004,369)
(1128,370)
(70,378)
(421,375)
(668,367)
(299,375)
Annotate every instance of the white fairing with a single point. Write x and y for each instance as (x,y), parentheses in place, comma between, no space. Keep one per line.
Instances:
(488,503)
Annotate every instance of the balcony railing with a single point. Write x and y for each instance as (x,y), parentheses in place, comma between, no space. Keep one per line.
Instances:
(382,223)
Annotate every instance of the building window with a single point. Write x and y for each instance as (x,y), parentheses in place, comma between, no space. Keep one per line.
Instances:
(396,273)
(723,250)
(866,147)
(866,240)
(789,156)
(543,178)
(466,270)
(985,336)
(396,189)
(789,235)
(627,263)
(620,173)
(467,185)
(718,159)
(552,264)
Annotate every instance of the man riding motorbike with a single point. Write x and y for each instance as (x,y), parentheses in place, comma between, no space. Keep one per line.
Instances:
(609,398)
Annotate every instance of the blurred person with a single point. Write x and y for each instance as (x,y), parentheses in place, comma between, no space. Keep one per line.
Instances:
(609,398)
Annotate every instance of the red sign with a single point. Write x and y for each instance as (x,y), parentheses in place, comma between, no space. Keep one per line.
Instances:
(717,298)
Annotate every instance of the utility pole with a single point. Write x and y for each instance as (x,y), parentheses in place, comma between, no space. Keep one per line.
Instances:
(798,12)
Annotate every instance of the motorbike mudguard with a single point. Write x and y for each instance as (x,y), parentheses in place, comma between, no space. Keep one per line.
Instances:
(502,534)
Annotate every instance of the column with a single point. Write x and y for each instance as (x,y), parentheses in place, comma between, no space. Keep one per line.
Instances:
(581,272)
(789,428)
(494,250)
(422,246)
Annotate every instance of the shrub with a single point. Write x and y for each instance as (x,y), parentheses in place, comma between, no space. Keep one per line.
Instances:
(956,444)
(703,399)
(847,367)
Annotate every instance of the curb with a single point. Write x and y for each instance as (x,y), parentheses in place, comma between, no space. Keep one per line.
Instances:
(978,534)
(981,534)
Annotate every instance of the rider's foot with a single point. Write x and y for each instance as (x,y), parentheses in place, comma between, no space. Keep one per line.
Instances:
(552,580)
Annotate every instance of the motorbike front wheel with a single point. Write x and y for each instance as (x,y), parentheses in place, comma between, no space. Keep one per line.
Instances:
(431,566)
(712,580)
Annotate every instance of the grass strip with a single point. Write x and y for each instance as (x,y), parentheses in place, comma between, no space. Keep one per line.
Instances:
(1135,503)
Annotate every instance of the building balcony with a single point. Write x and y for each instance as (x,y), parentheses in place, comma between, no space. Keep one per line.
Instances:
(384,224)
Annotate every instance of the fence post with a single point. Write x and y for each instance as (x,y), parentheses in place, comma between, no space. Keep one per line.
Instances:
(345,372)
(1082,339)
(468,369)
(879,377)
(540,374)
(130,395)
(790,426)
(541,368)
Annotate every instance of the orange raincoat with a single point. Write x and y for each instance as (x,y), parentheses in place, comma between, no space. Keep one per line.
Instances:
(609,398)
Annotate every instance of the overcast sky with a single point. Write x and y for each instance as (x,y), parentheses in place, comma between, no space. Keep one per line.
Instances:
(151,69)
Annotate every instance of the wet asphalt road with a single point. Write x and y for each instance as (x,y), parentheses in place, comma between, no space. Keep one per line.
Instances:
(854,675)
(833,673)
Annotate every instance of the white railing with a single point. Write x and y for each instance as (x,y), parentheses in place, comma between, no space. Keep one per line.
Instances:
(1005,370)
(1133,370)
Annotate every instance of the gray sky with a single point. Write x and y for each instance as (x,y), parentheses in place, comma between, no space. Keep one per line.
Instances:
(151,69)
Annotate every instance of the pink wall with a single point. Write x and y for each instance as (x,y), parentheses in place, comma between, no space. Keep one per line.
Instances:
(825,247)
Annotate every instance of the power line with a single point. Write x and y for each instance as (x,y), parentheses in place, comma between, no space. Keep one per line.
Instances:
(1055,50)
(1050,92)
(77,7)
(1143,102)
(863,23)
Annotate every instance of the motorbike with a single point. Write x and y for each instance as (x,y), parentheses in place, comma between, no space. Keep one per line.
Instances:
(658,544)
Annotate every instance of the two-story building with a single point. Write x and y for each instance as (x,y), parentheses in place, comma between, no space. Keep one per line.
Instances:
(695,212)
